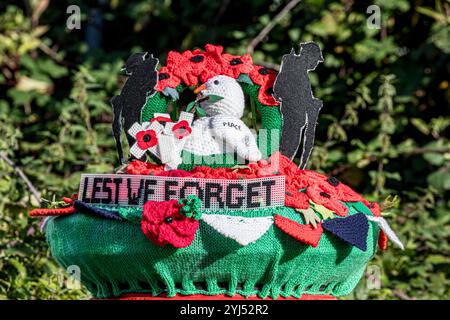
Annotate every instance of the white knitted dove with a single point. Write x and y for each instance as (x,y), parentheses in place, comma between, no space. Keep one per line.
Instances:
(222,131)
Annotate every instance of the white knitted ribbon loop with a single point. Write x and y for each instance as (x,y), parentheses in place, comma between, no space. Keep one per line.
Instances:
(383,225)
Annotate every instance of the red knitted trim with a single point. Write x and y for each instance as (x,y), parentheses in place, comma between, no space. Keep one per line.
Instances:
(382,240)
(54,211)
(305,233)
(143,296)
(192,67)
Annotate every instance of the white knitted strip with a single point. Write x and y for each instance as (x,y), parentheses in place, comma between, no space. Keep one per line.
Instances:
(241,229)
(383,225)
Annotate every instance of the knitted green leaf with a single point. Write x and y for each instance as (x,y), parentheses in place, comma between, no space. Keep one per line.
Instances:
(191,207)
(190,106)
(214,98)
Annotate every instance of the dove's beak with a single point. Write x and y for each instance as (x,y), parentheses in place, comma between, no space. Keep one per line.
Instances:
(200,89)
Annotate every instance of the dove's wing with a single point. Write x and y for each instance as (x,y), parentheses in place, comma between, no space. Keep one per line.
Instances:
(236,135)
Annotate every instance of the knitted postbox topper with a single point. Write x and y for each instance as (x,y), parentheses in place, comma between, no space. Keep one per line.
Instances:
(207,203)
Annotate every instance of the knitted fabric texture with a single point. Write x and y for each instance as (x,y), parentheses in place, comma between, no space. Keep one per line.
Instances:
(211,264)
(243,230)
(305,233)
(352,229)
(162,223)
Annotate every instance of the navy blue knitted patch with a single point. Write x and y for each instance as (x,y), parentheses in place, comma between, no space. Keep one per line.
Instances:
(352,229)
(88,209)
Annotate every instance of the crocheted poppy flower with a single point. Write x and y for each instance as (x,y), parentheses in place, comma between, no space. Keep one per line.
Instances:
(184,68)
(163,224)
(330,201)
(296,199)
(174,173)
(265,94)
(333,186)
(146,139)
(144,168)
(214,63)
(166,79)
(261,75)
(233,66)
(161,120)
(182,129)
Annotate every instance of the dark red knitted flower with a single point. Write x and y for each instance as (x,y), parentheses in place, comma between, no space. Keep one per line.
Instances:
(162,223)
(213,63)
(174,173)
(166,79)
(265,94)
(261,75)
(182,67)
(233,66)
(182,129)
(146,139)
(144,168)
(333,186)
(296,199)
(330,201)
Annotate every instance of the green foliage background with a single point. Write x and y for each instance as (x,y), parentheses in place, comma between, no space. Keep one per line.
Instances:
(383,128)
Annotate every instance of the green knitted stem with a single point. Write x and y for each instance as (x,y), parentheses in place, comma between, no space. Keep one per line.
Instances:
(116,258)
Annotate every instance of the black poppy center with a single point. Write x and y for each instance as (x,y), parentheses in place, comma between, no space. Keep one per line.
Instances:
(197,58)
(333,181)
(263,71)
(236,61)
(325,195)
(168,220)
(163,76)
(146,137)
(269,90)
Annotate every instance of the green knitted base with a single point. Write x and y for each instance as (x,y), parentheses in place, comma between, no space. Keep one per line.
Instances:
(116,258)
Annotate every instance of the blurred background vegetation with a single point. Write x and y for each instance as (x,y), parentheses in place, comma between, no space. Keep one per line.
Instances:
(383,129)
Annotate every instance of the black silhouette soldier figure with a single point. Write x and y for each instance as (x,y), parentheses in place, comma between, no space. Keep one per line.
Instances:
(141,69)
(299,108)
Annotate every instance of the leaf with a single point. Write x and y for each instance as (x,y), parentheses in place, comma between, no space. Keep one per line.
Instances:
(421,125)
(190,106)
(244,78)
(200,112)
(310,216)
(214,98)
(324,212)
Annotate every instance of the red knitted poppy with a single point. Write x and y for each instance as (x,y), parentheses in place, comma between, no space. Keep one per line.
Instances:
(162,223)
(233,66)
(166,79)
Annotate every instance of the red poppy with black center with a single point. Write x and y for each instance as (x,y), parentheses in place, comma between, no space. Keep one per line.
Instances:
(265,94)
(334,187)
(233,66)
(261,75)
(146,139)
(182,66)
(213,63)
(163,224)
(182,129)
(166,79)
